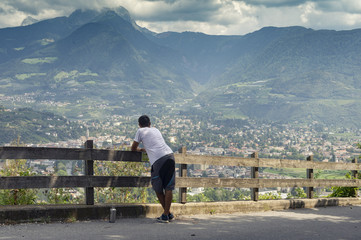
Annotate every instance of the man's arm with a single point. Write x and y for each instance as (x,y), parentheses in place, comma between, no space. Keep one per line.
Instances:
(135,147)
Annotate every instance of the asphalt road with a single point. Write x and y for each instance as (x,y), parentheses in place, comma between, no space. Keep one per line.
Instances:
(317,223)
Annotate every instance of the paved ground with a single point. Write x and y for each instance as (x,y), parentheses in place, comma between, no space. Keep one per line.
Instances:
(321,223)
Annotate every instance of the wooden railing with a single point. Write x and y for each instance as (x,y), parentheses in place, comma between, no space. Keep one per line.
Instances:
(89,181)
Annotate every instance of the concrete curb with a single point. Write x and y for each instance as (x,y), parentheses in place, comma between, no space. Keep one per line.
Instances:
(70,213)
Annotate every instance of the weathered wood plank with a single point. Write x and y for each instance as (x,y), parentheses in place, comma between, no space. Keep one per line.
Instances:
(115,155)
(121,181)
(72,181)
(264,183)
(262,162)
(68,154)
(214,160)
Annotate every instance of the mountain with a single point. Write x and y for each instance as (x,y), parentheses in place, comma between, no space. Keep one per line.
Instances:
(18,42)
(102,58)
(36,127)
(28,21)
(298,74)
(206,56)
(93,64)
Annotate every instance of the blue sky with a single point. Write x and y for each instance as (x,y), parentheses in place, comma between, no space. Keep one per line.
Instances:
(221,17)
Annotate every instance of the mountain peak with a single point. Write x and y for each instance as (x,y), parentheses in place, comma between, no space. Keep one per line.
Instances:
(113,12)
(125,15)
(28,21)
(121,11)
(79,16)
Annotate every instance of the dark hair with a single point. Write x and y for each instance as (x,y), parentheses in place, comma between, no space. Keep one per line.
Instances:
(144,121)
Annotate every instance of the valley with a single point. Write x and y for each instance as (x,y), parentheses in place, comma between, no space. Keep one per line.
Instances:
(91,65)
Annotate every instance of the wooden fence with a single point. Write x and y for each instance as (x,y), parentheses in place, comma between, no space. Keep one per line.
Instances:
(89,181)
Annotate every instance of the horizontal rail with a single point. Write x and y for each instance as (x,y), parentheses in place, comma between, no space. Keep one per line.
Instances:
(89,181)
(127,181)
(72,181)
(129,156)
(68,154)
(262,162)
(264,183)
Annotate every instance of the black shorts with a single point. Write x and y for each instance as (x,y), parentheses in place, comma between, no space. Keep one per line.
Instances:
(163,174)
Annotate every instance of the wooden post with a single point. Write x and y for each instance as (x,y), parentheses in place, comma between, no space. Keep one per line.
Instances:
(355,174)
(310,193)
(183,173)
(254,174)
(89,171)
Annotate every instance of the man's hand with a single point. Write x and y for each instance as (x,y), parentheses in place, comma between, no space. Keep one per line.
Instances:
(135,147)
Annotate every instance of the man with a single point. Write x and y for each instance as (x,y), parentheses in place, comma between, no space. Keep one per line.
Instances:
(162,161)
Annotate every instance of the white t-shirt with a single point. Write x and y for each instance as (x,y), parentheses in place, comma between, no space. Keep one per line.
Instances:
(153,143)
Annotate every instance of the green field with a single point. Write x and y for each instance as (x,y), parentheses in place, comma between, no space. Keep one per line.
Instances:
(39,60)
(25,76)
(301,173)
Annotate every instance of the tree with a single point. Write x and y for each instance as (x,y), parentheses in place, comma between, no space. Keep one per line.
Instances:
(270,196)
(344,191)
(17,167)
(297,193)
(126,194)
(198,198)
(59,196)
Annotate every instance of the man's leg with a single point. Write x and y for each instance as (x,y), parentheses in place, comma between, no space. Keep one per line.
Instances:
(165,200)
(168,197)
(165,169)
(161,198)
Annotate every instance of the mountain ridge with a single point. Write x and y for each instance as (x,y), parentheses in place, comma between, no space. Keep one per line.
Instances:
(278,74)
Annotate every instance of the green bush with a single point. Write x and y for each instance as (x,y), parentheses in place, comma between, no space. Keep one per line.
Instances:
(297,193)
(344,191)
(270,196)
(17,196)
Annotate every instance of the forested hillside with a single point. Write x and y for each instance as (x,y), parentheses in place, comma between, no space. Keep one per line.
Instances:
(92,64)
(31,126)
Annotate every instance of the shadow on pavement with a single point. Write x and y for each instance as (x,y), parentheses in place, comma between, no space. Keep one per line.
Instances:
(316,223)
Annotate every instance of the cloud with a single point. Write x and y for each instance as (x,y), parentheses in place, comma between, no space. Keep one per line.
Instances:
(212,17)
(33,7)
(14,11)
(346,6)
(208,16)
(275,3)
(188,10)
(332,15)
(240,17)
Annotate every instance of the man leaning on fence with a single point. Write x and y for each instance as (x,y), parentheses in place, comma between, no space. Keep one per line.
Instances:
(163,164)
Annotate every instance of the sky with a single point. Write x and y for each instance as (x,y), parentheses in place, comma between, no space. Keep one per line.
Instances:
(216,17)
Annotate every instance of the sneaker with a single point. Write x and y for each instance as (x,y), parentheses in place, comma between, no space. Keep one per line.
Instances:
(163,219)
(171,217)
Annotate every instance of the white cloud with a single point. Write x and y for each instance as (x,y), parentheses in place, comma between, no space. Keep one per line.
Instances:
(276,3)
(9,16)
(208,16)
(187,10)
(346,6)
(227,18)
(332,14)
(307,10)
